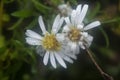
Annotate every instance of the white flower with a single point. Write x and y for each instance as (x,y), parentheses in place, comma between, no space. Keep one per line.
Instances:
(50,43)
(75,32)
(65,9)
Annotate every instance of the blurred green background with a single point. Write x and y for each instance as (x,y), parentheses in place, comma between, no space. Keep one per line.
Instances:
(19,61)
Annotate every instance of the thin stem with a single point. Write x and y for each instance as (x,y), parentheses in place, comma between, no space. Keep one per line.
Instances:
(104,75)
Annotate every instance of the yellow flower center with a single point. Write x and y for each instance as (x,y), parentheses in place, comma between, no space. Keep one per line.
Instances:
(74,34)
(51,43)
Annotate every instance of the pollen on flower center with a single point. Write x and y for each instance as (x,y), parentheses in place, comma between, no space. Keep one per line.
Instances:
(74,34)
(51,43)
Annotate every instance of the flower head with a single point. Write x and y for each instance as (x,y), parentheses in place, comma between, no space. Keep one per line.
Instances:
(52,42)
(75,31)
(65,9)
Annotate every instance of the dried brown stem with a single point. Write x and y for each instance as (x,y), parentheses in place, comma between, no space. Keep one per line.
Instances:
(104,75)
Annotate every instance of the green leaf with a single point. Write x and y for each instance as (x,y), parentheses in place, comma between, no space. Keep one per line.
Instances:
(32,55)
(105,36)
(14,67)
(116,30)
(40,7)
(32,24)
(2,76)
(4,55)
(117,19)
(16,24)
(13,55)
(22,13)
(18,43)
(2,41)
(74,2)
(56,2)
(26,77)
(107,52)
(8,1)
(93,13)
(6,17)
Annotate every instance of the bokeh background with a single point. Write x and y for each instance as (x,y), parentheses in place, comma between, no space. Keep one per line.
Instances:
(19,61)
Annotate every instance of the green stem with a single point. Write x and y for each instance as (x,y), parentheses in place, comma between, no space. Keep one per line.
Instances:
(104,75)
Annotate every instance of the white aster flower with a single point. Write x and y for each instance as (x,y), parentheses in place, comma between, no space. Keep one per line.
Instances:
(50,43)
(75,32)
(65,9)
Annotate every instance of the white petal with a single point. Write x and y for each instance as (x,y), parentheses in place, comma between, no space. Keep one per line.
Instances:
(88,40)
(84,34)
(83,13)
(79,8)
(80,26)
(66,58)
(52,60)
(78,11)
(46,57)
(65,9)
(68,52)
(66,29)
(62,6)
(67,20)
(56,22)
(92,25)
(33,34)
(73,45)
(42,26)
(60,37)
(81,45)
(33,41)
(77,51)
(73,14)
(74,48)
(72,55)
(59,25)
(73,17)
(40,51)
(81,38)
(60,60)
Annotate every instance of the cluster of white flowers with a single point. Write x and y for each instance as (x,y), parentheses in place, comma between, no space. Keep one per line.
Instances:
(63,46)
